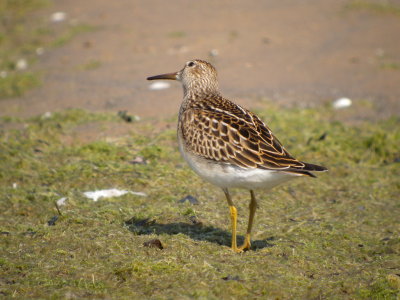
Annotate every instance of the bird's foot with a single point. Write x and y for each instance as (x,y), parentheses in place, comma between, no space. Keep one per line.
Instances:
(246,245)
(237,250)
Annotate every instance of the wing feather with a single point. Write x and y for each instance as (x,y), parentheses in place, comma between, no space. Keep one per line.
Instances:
(243,140)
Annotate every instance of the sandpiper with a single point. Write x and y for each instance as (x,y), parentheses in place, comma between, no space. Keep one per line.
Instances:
(226,144)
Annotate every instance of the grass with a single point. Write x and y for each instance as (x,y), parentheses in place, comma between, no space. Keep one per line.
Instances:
(20,36)
(377,7)
(22,33)
(72,32)
(333,237)
(17,83)
(91,65)
(390,66)
(177,34)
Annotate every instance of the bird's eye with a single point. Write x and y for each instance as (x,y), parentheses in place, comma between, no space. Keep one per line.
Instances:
(191,64)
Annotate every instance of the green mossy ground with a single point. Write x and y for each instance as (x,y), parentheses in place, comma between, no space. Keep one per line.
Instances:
(23,35)
(20,36)
(336,236)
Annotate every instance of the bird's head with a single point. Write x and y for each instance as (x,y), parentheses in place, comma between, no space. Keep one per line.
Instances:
(197,77)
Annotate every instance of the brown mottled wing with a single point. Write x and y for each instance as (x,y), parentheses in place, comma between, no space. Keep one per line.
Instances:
(245,140)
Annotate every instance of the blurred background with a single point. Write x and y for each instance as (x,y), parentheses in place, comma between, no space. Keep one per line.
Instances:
(96,55)
(78,118)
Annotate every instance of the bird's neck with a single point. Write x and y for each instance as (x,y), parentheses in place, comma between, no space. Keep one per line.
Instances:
(199,88)
(199,92)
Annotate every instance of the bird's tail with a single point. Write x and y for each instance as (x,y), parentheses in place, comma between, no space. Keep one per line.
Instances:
(307,169)
(314,168)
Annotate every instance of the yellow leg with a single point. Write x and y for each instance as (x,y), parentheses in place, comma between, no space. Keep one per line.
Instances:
(252,208)
(233,212)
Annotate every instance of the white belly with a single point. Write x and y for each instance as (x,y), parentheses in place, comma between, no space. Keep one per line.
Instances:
(230,176)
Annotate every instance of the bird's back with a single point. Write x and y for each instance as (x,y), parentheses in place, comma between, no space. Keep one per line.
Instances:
(217,129)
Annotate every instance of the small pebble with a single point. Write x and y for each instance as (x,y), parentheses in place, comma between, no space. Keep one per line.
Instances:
(190,199)
(138,160)
(155,243)
(123,114)
(159,85)
(21,64)
(46,115)
(214,52)
(39,51)
(341,103)
(58,16)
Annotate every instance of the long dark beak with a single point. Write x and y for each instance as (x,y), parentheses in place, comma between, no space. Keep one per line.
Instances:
(169,76)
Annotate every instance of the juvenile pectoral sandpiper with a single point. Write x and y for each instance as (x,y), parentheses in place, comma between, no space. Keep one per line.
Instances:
(228,145)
